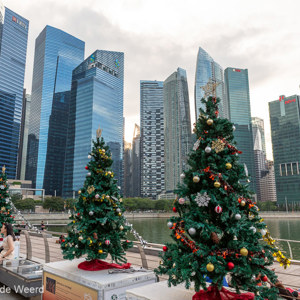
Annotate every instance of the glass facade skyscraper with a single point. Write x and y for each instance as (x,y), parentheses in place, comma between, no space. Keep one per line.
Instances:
(96,101)
(285,133)
(13,48)
(57,53)
(238,96)
(206,69)
(177,127)
(152,138)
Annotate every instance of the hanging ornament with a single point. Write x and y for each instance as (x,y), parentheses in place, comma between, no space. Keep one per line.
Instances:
(80,238)
(230,265)
(86,167)
(251,216)
(181,201)
(192,231)
(202,199)
(196,145)
(107,242)
(118,210)
(165,248)
(209,122)
(121,227)
(182,176)
(214,237)
(207,149)
(235,238)
(100,251)
(263,232)
(210,267)
(253,229)
(121,200)
(218,145)
(218,209)
(88,174)
(79,192)
(91,213)
(89,156)
(90,189)
(233,128)
(244,252)
(170,224)
(119,214)
(174,209)
(243,203)
(217,184)
(264,278)
(228,166)
(237,216)
(97,196)
(196,179)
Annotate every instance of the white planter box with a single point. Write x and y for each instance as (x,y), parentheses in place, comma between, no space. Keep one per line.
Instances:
(63,280)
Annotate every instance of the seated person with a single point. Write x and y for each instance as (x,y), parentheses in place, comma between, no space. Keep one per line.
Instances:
(8,242)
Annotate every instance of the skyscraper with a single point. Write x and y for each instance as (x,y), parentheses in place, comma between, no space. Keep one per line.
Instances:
(127,170)
(152,138)
(206,69)
(13,48)
(238,96)
(177,125)
(285,133)
(96,101)
(136,162)
(259,128)
(57,53)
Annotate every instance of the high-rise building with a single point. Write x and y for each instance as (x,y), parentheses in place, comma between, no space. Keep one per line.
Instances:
(152,138)
(258,126)
(206,69)
(24,136)
(268,184)
(285,133)
(13,48)
(57,53)
(96,101)
(127,170)
(238,96)
(136,162)
(177,127)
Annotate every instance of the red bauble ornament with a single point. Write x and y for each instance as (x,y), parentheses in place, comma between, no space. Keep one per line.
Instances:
(63,241)
(86,167)
(107,242)
(265,278)
(230,265)
(78,214)
(165,248)
(174,209)
(218,209)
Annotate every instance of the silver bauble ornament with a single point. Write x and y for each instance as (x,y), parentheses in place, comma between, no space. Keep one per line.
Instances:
(91,213)
(263,232)
(182,176)
(121,227)
(97,196)
(193,273)
(89,156)
(233,128)
(237,216)
(207,149)
(80,238)
(118,210)
(88,174)
(253,229)
(192,231)
(170,224)
(196,179)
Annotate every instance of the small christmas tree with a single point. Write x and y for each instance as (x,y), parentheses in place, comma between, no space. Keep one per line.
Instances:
(5,215)
(98,225)
(218,227)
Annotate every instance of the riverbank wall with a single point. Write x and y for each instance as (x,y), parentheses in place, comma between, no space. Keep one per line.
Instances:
(64,216)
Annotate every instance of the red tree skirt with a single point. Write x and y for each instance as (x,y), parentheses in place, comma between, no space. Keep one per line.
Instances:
(213,293)
(98,265)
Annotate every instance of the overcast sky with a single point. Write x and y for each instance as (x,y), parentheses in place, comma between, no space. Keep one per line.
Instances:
(157,37)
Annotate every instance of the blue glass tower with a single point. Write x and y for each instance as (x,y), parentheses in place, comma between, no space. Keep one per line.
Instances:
(238,95)
(57,53)
(13,47)
(96,101)
(207,69)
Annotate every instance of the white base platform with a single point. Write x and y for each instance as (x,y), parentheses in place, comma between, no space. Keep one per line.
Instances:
(160,291)
(63,280)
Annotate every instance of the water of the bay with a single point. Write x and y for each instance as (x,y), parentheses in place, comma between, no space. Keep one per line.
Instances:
(155,230)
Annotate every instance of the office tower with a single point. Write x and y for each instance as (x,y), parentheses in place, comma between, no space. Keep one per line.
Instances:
(13,47)
(152,138)
(285,133)
(96,101)
(136,162)
(258,126)
(238,96)
(57,53)
(206,69)
(177,125)
(127,170)
(268,184)
(24,136)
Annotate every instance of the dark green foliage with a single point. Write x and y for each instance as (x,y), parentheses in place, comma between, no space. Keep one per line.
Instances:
(267,206)
(5,207)
(16,197)
(163,204)
(186,260)
(28,204)
(98,215)
(54,203)
(142,204)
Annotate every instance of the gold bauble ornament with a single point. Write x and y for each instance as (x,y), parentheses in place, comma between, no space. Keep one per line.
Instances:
(107,197)
(228,166)
(196,179)
(79,192)
(243,203)
(210,122)
(121,200)
(244,252)
(80,238)
(119,214)
(100,251)
(217,184)
(121,227)
(210,267)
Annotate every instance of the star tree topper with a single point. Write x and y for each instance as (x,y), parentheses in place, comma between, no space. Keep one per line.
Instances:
(210,88)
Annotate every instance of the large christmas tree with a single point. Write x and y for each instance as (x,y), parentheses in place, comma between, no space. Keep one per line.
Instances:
(218,227)
(98,225)
(5,215)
